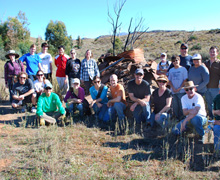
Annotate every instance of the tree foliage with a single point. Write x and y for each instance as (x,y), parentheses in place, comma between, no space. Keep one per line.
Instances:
(56,35)
(14,32)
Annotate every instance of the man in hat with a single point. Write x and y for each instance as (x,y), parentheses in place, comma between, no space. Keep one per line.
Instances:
(60,62)
(194,109)
(163,65)
(23,92)
(214,71)
(139,93)
(12,68)
(46,61)
(49,107)
(185,58)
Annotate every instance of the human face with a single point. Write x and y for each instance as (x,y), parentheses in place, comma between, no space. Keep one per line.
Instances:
(197,62)
(113,81)
(73,54)
(190,92)
(163,58)
(45,48)
(176,62)
(162,83)
(40,76)
(213,53)
(22,79)
(184,51)
(32,50)
(75,85)
(97,82)
(138,78)
(12,57)
(61,51)
(88,54)
(48,91)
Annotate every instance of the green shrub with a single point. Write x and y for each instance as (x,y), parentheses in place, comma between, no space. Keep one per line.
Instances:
(196,47)
(192,38)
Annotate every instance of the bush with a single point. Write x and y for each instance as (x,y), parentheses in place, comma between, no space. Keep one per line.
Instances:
(196,47)
(192,38)
(205,56)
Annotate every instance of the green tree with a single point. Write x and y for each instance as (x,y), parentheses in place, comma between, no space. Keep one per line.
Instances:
(79,42)
(56,35)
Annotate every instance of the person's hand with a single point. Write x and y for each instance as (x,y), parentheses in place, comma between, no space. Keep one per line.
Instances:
(91,105)
(183,126)
(65,81)
(79,101)
(109,104)
(142,103)
(99,105)
(133,106)
(21,97)
(157,116)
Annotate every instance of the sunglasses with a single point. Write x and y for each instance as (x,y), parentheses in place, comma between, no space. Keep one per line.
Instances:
(72,53)
(48,88)
(161,81)
(96,82)
(139,74)
(183,48)
(22,77)
(189,89)
(174,60)
(39,74)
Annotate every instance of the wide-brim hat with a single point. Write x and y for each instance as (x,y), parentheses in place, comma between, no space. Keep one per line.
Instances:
(189,84)
(162,78)
(11,52)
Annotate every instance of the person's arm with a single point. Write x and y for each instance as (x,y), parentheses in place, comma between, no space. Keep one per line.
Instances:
(39,65)
(40,106)
(97,73)
(59,105)
(21,97)
(205,79)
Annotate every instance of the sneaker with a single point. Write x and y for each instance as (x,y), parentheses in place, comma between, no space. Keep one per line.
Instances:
(33,109)
(42,122)
(23,109)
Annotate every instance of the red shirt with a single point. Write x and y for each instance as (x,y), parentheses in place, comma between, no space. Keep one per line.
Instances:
(60,62)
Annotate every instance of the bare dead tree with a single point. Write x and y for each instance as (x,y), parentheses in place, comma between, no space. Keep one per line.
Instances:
(137,32)
(115,21)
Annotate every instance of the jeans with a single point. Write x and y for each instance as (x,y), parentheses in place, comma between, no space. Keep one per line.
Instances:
(216,130)
(72,108)
(102,112)
(210,94)
(177,106)
(142,114)
(162,121)
(118,108)
(51,117)
(198,122)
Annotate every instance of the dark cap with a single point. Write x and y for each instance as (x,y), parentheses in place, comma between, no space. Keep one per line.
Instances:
(139,71)
(184,44)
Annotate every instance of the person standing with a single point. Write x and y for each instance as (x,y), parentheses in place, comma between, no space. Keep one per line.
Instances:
(12,68)
(194,109)
(199,74)
(177,77)
(33,62)
(89,70)
(139,93)
(62,78)
(73,66)
(46,61)
(214,71)
(163,65)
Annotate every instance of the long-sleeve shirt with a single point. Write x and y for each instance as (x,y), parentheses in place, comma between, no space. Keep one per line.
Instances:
(81,95)
(103,96)
(49,104)
(200,77)
(89,69)
(12,68)
(60,62)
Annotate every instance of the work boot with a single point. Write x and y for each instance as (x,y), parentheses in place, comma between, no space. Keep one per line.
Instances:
(42,122)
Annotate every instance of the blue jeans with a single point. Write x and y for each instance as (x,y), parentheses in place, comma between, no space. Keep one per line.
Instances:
(162,121)
(198,122)
(210,94)
(117,109)
(142,114)
(102,112)
(177,106)
(72,108)
(216,130)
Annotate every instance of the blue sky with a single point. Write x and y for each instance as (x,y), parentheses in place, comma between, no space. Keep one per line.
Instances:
(88,18)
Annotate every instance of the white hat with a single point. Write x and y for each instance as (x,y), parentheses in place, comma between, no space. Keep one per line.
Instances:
(163,53)
(74,81)
(197,56)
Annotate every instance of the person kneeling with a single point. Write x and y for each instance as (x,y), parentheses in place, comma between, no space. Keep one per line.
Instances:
(47,106)
(23,92)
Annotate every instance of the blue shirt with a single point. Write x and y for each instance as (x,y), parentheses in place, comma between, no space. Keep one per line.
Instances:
(32,62)
(103,95)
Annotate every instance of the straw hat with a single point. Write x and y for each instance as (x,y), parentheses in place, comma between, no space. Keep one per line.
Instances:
(11,52)
(162,78)
(189,84)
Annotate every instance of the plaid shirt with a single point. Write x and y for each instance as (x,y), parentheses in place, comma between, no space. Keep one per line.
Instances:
(89,69)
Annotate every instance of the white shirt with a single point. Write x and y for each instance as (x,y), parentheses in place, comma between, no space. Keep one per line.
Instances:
(46,60)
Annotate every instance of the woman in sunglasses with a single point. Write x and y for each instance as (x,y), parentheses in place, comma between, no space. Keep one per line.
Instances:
(99,95)
(39,83)
(161,99)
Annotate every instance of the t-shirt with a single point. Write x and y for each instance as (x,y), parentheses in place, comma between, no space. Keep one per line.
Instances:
(81,95)
(214,72)
(185,62)
(200,77)
(196,101)
(162,66)
(139,91)
(46,60)
(40,85)
(49,104)
(19,89)
(32,62)
(177,76)
(103,96)
(118,91)
(73,68)
(216,105)
(60,62)
(160,101)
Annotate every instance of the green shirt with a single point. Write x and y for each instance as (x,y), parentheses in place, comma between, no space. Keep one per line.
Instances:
(216,105)
(49,104)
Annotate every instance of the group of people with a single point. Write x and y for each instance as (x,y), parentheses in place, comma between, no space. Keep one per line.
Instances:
(182,85)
